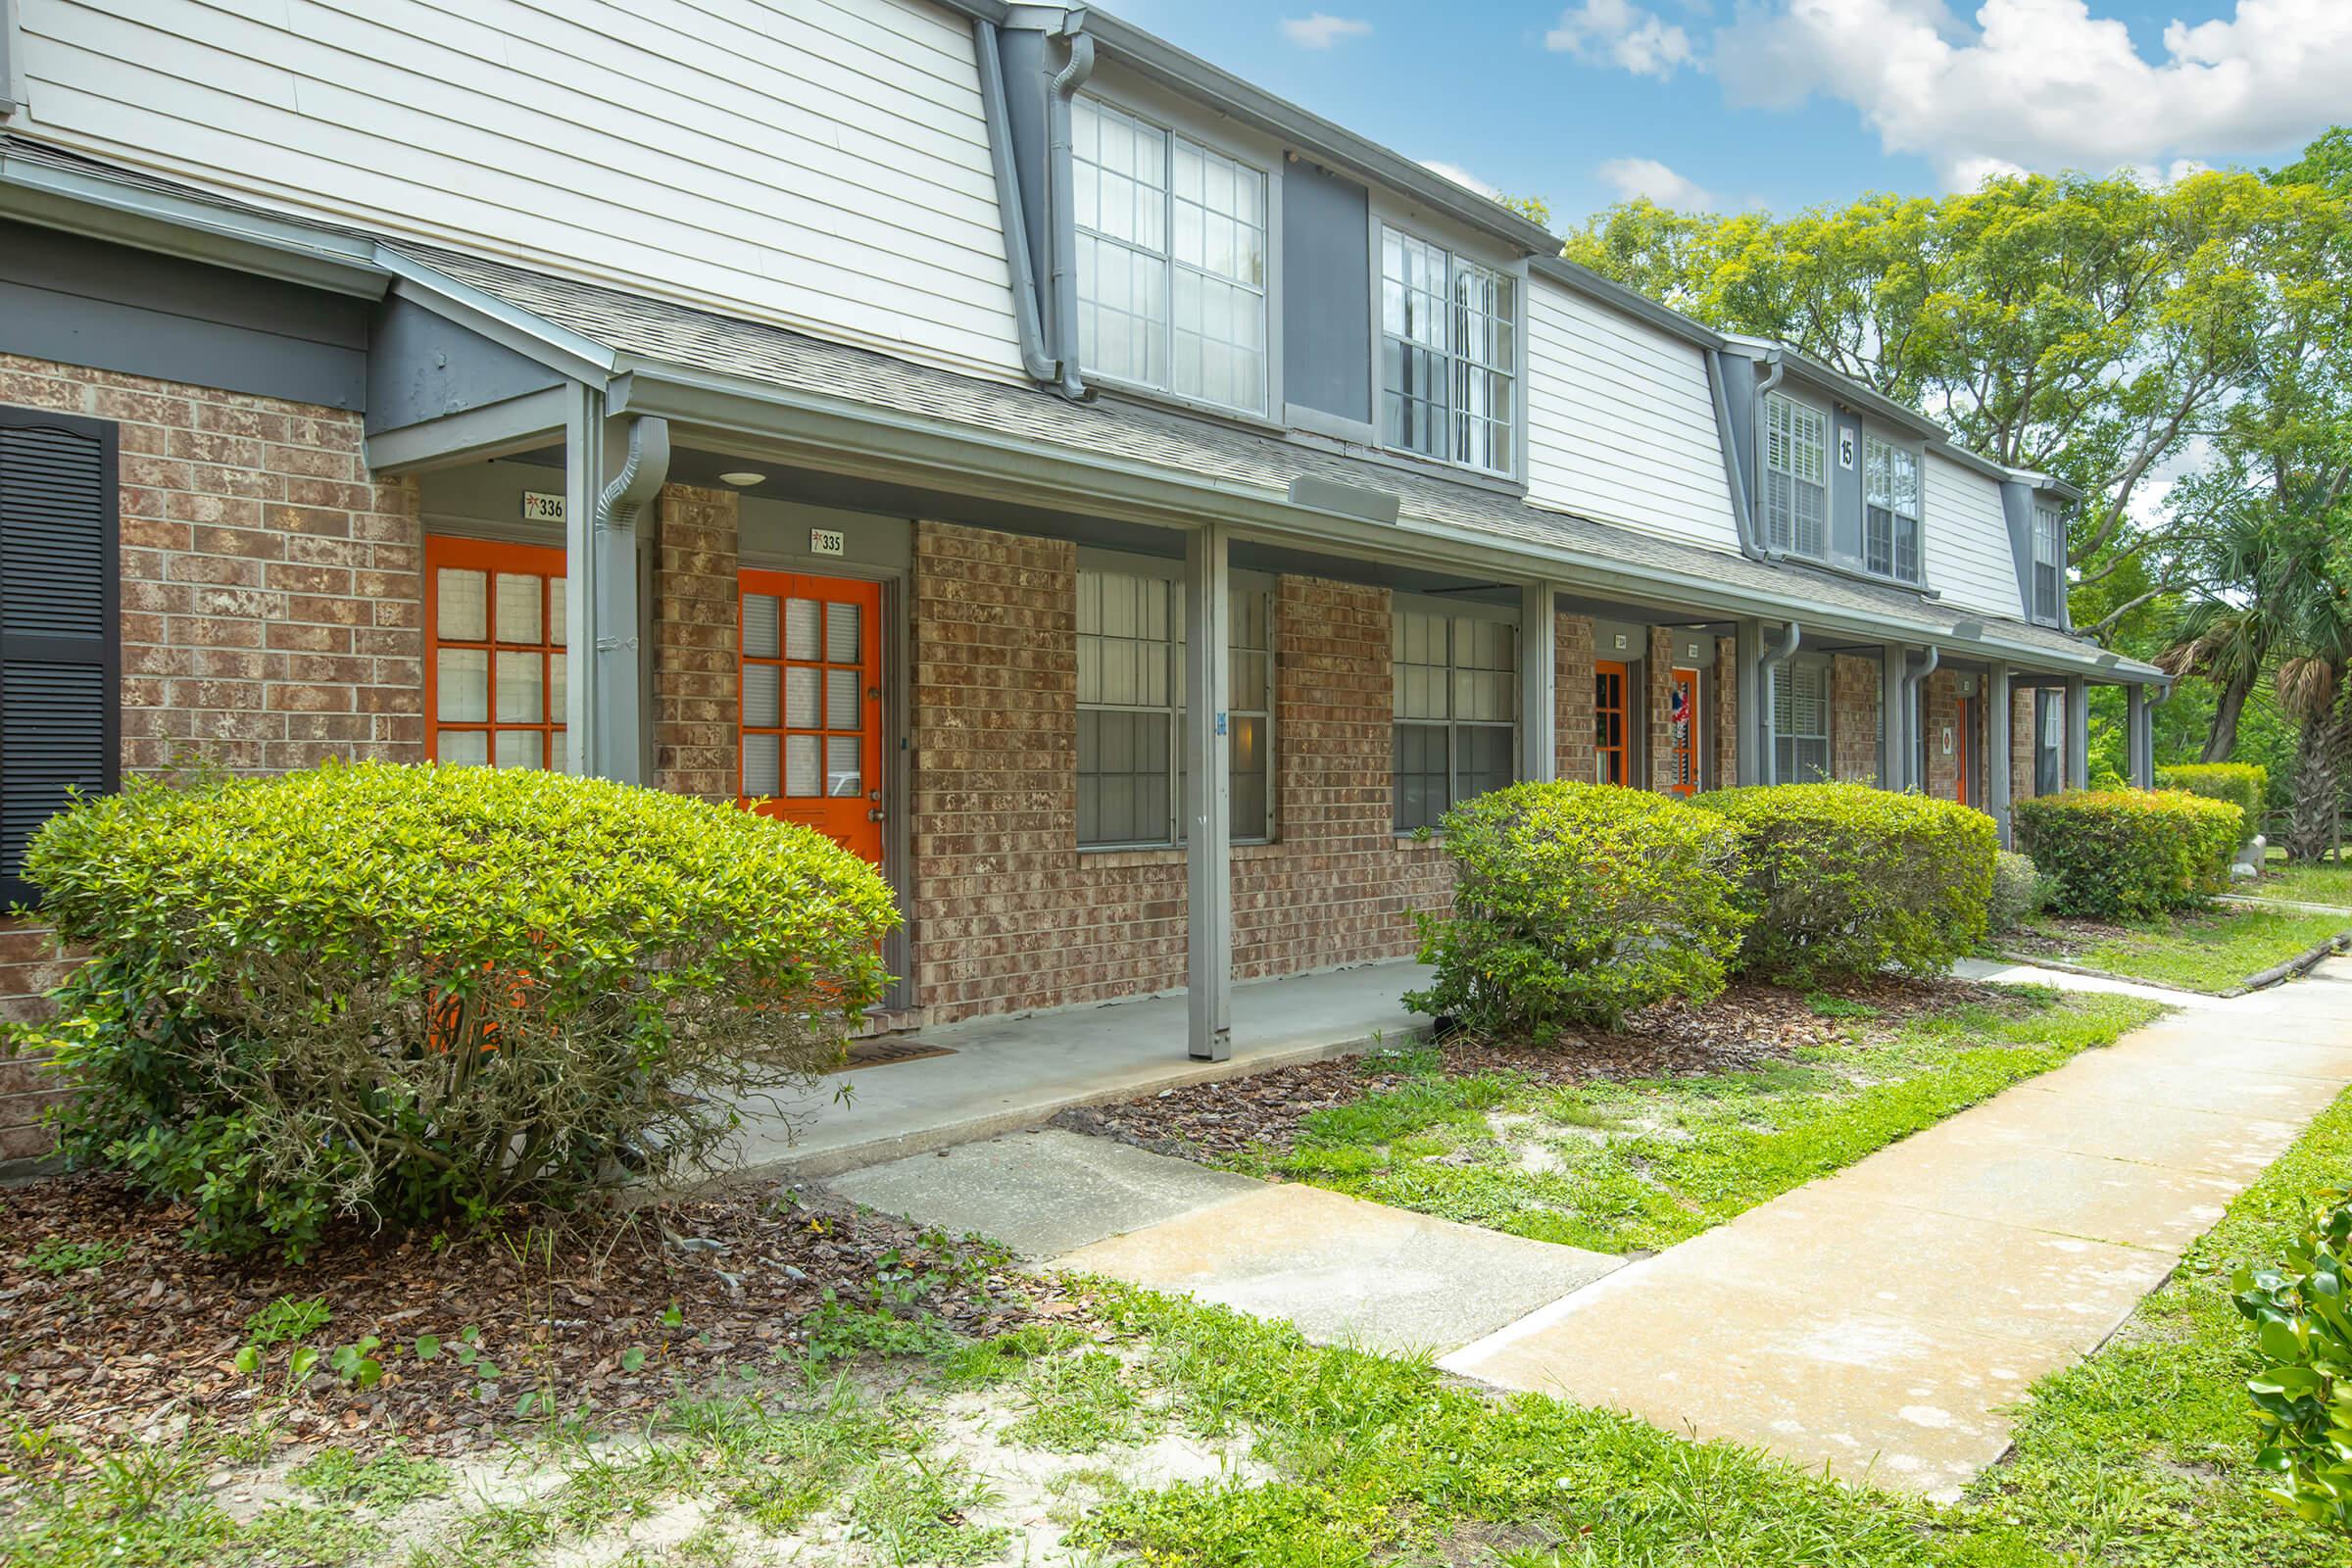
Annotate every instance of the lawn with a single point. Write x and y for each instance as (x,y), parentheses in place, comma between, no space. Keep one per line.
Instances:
(1637,1164)
(2213,951)
(1132,1427)
(2322,882)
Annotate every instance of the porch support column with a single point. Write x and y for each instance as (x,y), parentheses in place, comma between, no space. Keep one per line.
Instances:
(1893,754)
(1752,749)
(2140,739)
(2077,734)
(620,750)
(1208,839)
(583,484)
(1997,720)
(1539,681)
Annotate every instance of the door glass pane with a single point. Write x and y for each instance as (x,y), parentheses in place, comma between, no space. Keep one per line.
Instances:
(844,774)
(841,698)
(804,776)
(517,608)
(761,612)
(762,763)
(519,698)
(520,748)
(556,612)
(841,634)
(462,613)
(559,752)
(800,697)
(559,687)
(799,629)
(462,748)
(762,696)
(462,685)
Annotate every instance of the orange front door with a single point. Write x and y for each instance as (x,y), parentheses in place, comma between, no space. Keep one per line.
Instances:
(811,705)
(1682,731)
(1612,744)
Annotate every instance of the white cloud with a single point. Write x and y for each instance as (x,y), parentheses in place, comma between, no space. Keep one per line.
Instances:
(2044,83)
(1619,32)
(1323,29)
(1462,176)
(1647,176)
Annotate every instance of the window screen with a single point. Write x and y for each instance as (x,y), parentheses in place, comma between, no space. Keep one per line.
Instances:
(1890,510)
(1455,682)
(1795,476)
(1448,355)
(2049,563)
(1800,722)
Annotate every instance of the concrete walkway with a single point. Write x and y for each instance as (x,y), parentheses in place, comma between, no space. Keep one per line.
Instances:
(1013,1073)
(1881,1320)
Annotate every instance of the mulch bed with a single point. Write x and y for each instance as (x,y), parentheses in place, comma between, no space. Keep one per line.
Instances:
(1744,1028)
(152,1336)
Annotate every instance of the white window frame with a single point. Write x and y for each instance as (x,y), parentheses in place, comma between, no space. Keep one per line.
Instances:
(2049,556)
(1165,579)
(1787,738)
(1453,616)
(1877,450)
(1781,454)
(1513,423)
(1269,319)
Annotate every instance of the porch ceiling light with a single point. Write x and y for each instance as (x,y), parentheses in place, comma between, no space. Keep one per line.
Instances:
(742,477)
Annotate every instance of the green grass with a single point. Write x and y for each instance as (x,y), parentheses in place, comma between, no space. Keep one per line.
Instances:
(1638,1167)
(2137,1457)
(2213,952)
(1078,1404)
(2326,882)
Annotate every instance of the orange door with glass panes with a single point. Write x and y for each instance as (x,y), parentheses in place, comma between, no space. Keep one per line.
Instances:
(1612,744)
(1681,733)
(811,705)
(494,668)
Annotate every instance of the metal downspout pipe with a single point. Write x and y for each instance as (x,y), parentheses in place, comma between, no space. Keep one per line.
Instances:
(1734,469)
(1914,720)
(1768,679)
(1066,83)
(1041,367)
(619,732)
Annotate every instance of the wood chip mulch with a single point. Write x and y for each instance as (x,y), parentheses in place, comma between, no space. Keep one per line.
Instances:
(1744,1028)
(152,1337)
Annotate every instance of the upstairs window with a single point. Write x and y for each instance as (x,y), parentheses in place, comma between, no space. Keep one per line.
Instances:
(1801,721)
(1171,261)
(1448,355)
(2049,564)
(1796,477)
(1890,510)
(1456,736)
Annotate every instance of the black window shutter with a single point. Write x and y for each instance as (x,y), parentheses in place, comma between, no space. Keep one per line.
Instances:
(60,638)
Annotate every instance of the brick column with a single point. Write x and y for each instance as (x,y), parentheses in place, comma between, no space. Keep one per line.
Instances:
(1940,711)
(1727,713)
(1853,718)
(695,666)
(2021,743)
(1657,700)
(1572,705)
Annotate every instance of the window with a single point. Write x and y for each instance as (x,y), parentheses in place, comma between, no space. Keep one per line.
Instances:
(1131,709)
(1448,355)
(495,689)
(1612,749)
(2049,564)
(1456,683)
(1801,721)
(2049,744)
(1682,732)
(1171,261)
(60,630)
(1796,477)
(1890,510)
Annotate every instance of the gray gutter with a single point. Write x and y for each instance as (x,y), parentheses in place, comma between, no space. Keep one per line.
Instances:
(1735,462)
(1768,678)
(1632,302)
(1914,720)
(1061,207)
(1011,213)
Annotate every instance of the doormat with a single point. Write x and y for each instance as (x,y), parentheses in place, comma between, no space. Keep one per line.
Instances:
(885,1052)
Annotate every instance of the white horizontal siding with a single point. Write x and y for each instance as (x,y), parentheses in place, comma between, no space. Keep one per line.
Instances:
(1969,559)
(822,163)
(1620,423)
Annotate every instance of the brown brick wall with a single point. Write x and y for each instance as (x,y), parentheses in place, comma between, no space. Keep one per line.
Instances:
(2021,742)
(1726,706)
(1011,915)
(1853,718)
(1572,701)
(696,659)
(32,963)
(1939,705)
(1657,698)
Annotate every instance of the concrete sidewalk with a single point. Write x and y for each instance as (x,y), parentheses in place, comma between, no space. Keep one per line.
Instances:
(1882,1320)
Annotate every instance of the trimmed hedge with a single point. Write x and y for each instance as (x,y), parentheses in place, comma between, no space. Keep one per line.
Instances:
(1847,880)
(408,994)
(1576,905)
(2129,854)
(2245,785)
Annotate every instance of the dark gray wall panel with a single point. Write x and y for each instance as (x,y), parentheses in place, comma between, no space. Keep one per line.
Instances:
(112,307)
(1326,293)
(1846,490)
(423,366)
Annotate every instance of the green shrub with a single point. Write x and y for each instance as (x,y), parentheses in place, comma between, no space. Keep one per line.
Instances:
(1577,904)
(2129,854)
(2302,1316)
(1847,880)
(2019,891)
(407,993)
(2245,785)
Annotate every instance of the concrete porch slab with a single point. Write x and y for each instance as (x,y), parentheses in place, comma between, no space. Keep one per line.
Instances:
(1010,1074)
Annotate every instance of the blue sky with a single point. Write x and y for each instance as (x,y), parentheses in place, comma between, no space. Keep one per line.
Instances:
(1786,103)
